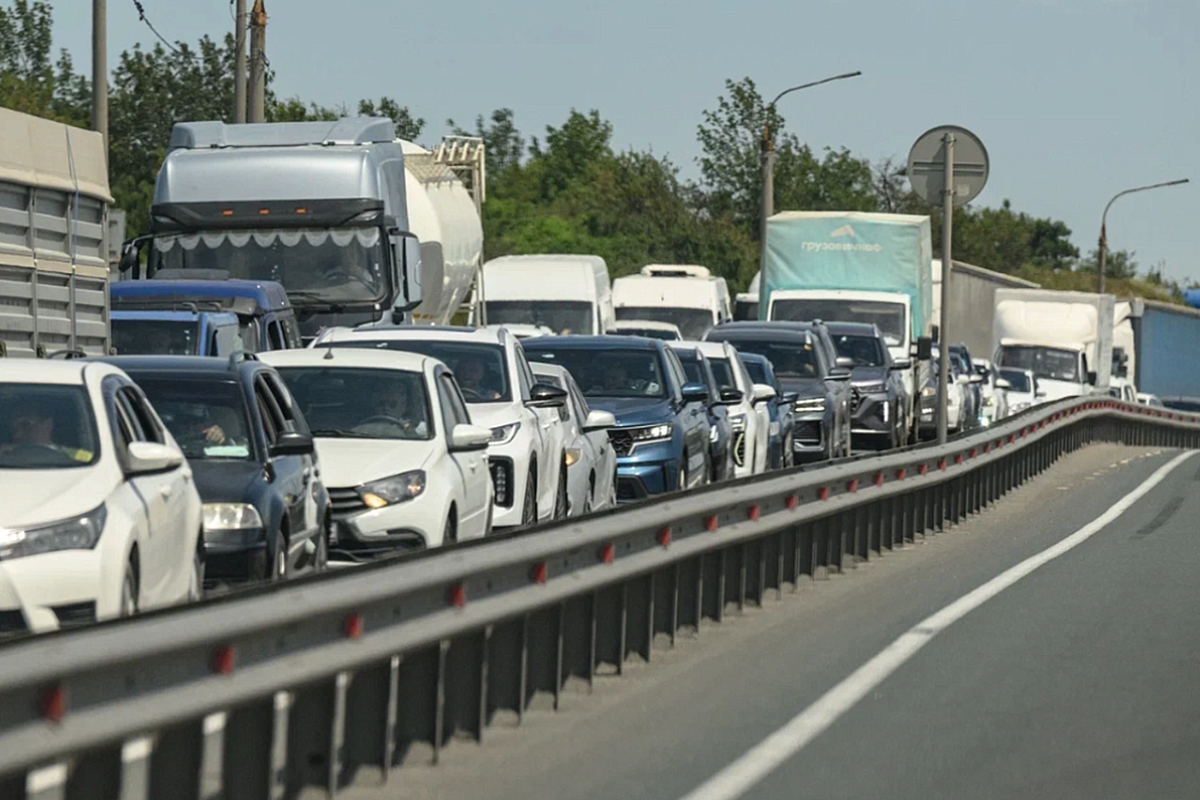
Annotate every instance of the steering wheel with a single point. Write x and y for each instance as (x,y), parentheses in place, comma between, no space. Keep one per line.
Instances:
(342,274)
(471,395)
(40,454)
(382,418)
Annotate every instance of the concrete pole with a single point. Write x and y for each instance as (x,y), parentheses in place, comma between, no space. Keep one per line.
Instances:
(100,69)
(258,64)
(239,64)
(947,269)
(1100,265)
(768,187)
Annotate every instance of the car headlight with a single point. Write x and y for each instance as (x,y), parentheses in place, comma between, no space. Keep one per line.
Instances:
(929,391)
(573,455)
(1019,407)
(991,401)
(231,517)
(738,422)
(393,490)
(810,405)
(872,388)
(505,433)
(77,533)
(651,433)
(713,434)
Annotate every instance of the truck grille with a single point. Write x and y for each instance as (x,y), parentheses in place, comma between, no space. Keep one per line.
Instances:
(502,481)
(346,502)
(622,441)
(807,432)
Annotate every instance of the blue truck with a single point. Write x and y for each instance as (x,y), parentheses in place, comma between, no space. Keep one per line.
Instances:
(1154,345)
(176,314)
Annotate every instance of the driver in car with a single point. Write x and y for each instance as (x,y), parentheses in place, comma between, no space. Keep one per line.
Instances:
(470,374)
(389,414)
(31,425)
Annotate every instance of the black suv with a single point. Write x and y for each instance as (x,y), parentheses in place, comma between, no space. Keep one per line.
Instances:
(266,510)
(878,402)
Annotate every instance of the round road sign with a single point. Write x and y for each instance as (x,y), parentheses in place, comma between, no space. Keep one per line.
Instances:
(927,165)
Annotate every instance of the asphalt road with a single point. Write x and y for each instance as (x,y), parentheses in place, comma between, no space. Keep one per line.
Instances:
(1078,681)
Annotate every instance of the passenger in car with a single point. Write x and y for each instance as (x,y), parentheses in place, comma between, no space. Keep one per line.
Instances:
(32,425)
(471,374)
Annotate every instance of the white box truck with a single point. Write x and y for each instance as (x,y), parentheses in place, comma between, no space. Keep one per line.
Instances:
(54,205)
(565,293)
(1064,338)
(688,296)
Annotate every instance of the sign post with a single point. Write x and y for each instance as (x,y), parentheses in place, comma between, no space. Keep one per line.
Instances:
(941,178)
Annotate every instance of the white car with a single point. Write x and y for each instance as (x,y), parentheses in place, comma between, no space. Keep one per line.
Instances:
(1022,390)
(994,392)
(527,455)
(1122,389)
(591,458)
(750,417)
(1147,399)
(405,467)
(99,517)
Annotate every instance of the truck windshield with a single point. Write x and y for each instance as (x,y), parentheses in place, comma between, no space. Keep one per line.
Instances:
(867,351)
(560,316)
(889,317)
(155,337)
(693,323)
(340,265)
(1049,363)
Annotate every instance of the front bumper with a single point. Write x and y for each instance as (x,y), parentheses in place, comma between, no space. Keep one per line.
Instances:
(55,590)
(809,434)
(236,555)
(873,415)
(363,533)
(648,470)
(512,460)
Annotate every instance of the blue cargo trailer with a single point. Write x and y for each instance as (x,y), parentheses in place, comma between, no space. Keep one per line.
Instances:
(1165,356)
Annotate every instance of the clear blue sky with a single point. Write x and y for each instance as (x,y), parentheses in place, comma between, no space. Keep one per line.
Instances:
(1075,99)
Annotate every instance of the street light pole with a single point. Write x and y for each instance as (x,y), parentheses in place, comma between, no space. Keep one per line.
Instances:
(768,153)
(1104,225)
(100,69)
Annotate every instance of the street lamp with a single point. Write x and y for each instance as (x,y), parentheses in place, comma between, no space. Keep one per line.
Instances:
(1104,220)
(768,152)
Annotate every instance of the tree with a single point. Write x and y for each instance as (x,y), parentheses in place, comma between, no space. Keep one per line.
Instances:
(1117,264)
(29,82)
(502,142)
(408,127)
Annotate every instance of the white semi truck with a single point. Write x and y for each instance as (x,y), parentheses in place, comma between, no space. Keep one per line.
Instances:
(1064,338)
(54,226)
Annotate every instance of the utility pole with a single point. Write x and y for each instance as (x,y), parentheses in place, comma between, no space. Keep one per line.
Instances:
(258,63)
(100,69)
(1104,225)
(239,64)
(948,141)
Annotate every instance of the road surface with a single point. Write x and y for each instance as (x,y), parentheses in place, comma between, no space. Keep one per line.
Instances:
(1077,681)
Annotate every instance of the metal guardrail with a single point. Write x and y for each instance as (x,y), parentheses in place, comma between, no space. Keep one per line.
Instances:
(262,695)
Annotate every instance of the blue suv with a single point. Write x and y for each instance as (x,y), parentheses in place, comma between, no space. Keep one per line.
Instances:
(662,432)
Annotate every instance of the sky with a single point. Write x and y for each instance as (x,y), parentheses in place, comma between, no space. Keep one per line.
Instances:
(1075,100)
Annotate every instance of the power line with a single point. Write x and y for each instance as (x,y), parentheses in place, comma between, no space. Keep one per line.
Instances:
(142,16)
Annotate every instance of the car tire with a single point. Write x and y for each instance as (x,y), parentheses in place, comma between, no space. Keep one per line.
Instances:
(450,531)
(529,515)
(196,584)
(560,498)
(321,557)
(681,483)
(129,588)
(279,558)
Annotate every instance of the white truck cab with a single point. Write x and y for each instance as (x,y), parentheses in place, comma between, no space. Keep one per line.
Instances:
(565,293)
(685,295)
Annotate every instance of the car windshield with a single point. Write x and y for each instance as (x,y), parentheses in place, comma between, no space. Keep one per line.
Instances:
(207,417)
(787,359)
(888,317)
(1044,362)
(758,371)
(1018,380)
(480,368)
(361,403)
(339,265)
(865,351)
(46,426)
(156,337)
(693,323)
(613,372)
(561,316)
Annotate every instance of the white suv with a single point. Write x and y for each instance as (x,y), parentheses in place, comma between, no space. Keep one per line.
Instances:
(527,454)
(98,513)
(750,418)
(405,467)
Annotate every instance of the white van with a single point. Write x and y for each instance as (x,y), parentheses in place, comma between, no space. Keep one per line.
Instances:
(685,295)
(567,294)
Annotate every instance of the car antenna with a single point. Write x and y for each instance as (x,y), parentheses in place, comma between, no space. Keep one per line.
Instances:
(328,353)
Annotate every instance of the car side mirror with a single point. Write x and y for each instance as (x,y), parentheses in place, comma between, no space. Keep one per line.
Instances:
(900,366)
(694,392)
(465,438)
(845,362)
(788,398)
(1001,383)
(731,397)
(598,420)
(838,374)
(763,392)
(147,457)
(293,443)
(544,395)
(975,378)
(924,348)
(1091,378)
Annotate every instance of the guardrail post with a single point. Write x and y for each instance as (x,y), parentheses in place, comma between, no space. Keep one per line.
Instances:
(741,577)
(135,770)
(247,750)
(173,759)
(44,783)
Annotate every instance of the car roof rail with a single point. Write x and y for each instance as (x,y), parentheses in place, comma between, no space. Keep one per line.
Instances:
(238,356)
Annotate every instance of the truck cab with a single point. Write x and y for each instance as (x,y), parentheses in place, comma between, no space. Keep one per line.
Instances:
(185,329)
(685,295)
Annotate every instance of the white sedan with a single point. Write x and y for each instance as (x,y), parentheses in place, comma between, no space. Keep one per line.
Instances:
(750,418)
(405,467)
(591,458)
(98,513)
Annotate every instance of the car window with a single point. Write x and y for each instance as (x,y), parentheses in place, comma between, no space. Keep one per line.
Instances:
(679,377)
(270,422)
(454,411)
(208,418)
(362,402)
(46,427)
(292,331)
(293,420)
(275,339)
(528,379)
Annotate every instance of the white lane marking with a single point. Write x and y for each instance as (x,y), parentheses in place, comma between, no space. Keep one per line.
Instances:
(759,761)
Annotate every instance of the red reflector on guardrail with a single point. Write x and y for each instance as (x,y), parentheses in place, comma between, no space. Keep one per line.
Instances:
(987,447)
(353,626)
(710,523)
(958,458)
(1012,438)
(852,486)
(879,479)
(941,463)
(52,702)
(538,573)
(792,502)
(457,596)
(607,552)
(823,493)
(924,468)
(752,513)
(664,537)
(901,474)
(224,659)
(974,452)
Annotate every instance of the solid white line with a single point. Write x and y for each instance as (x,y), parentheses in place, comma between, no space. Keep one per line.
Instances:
(758,762)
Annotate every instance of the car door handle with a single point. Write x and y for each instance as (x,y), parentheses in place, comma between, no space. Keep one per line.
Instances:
(165,490)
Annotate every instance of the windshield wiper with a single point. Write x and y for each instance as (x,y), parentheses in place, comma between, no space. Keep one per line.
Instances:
(335,433)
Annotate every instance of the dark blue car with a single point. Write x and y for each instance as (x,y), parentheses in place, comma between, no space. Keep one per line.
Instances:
(782,408)
(662,433)
(699,369)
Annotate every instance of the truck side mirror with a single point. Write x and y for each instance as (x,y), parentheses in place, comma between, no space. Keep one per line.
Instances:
(1091,378)
(131,258)
(406,258)
(925,348)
